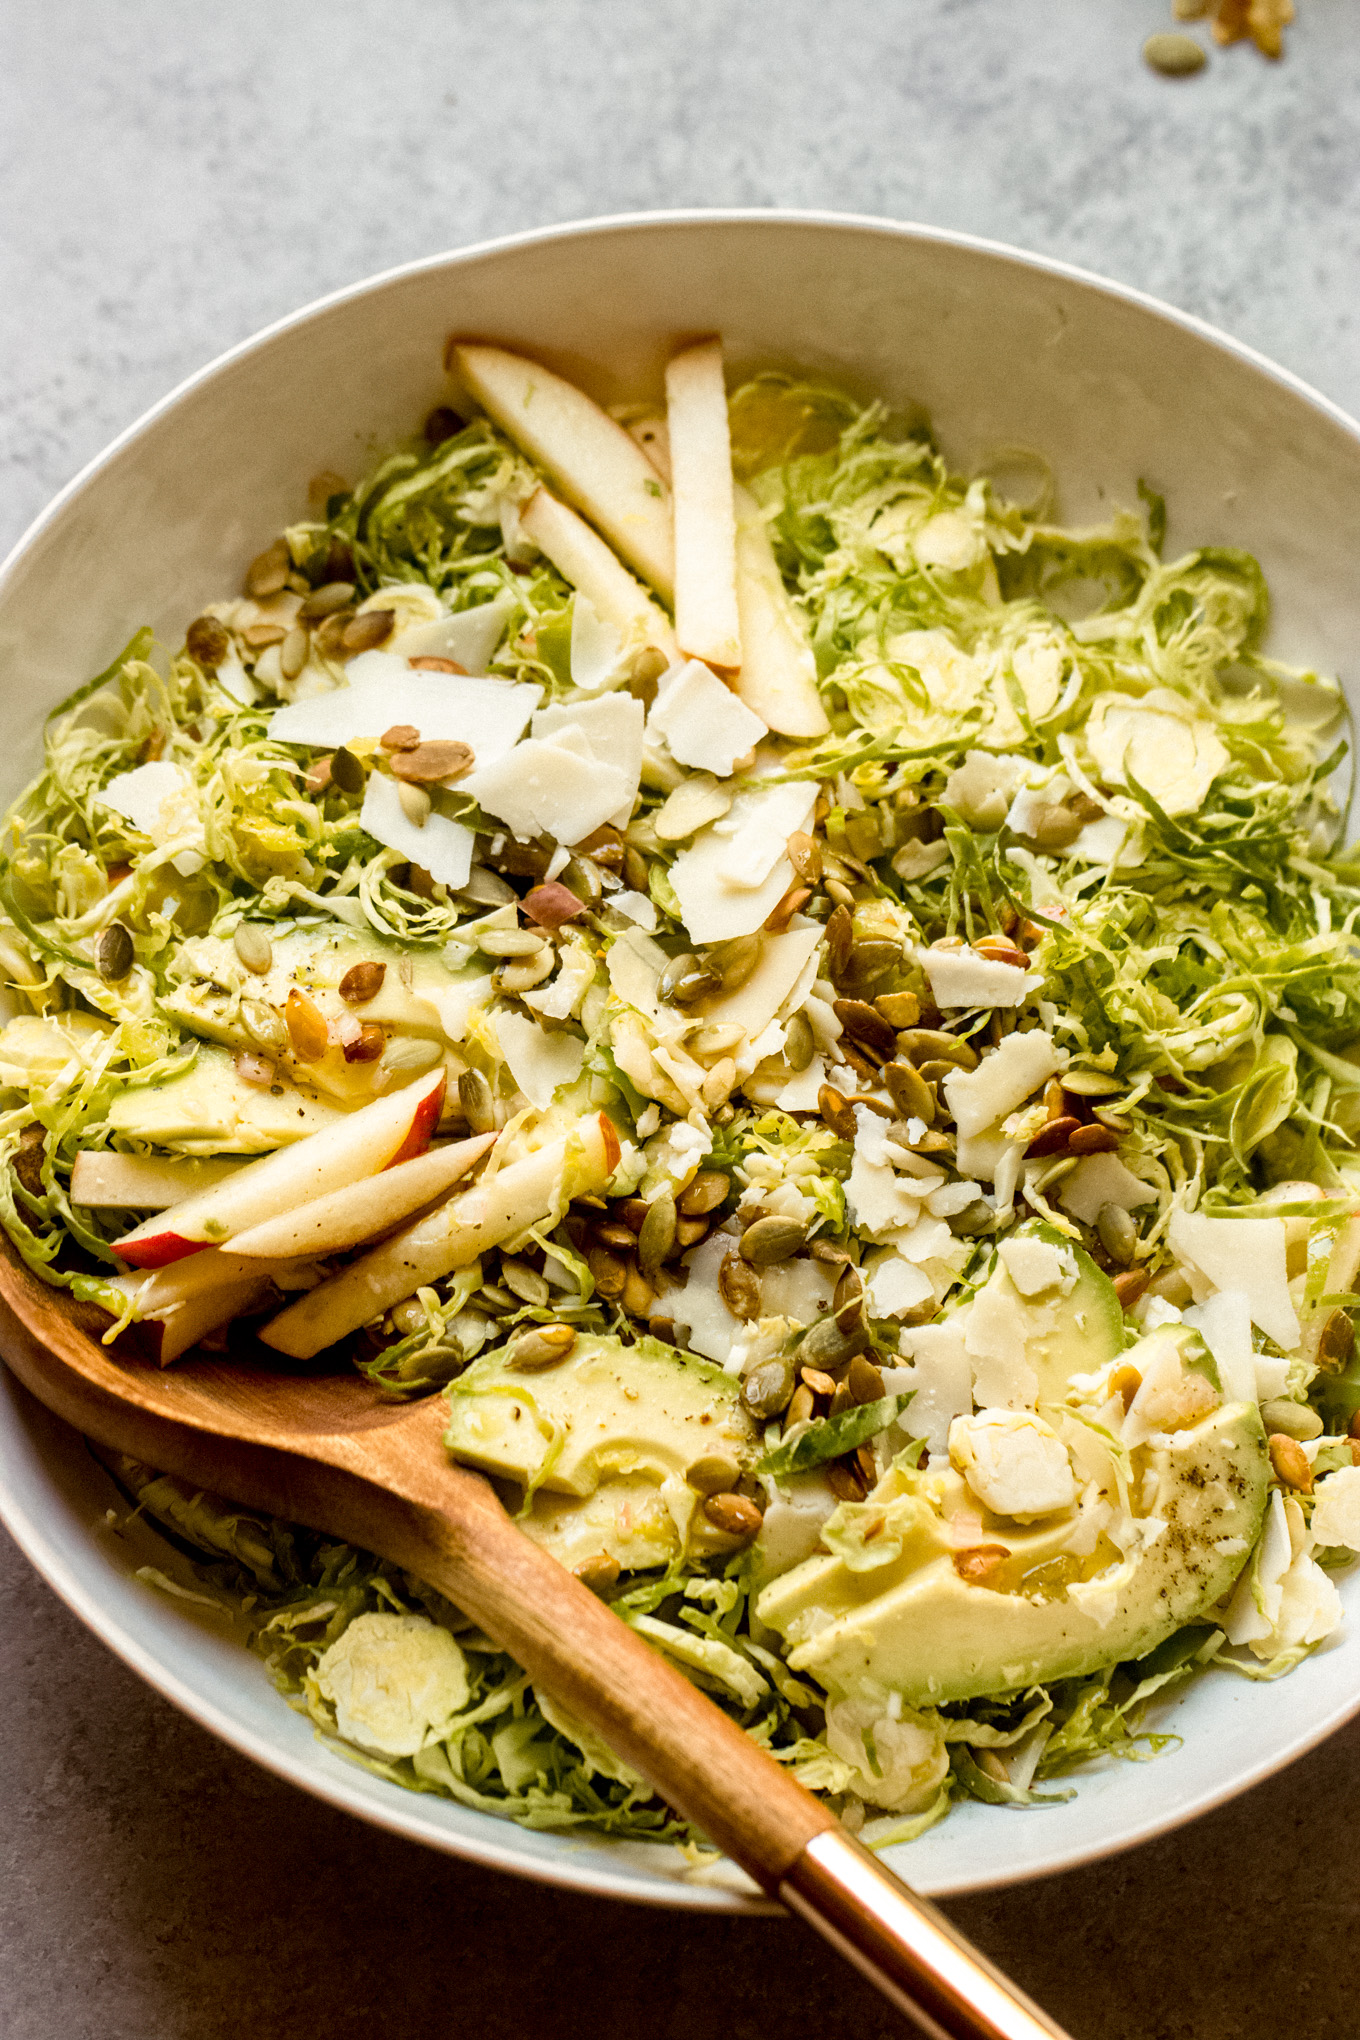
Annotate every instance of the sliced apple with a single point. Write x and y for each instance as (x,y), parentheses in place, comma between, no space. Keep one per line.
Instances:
(582,557)
(707,625)
(179,1305)
(363,1210)
(521,1194)
(105,1180)
(592,458)
(390,1130)
(778,677)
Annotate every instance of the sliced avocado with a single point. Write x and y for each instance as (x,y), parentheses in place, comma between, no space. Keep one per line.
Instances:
(210,1110)
(1037,1341)
(606,1410)
(919,1627)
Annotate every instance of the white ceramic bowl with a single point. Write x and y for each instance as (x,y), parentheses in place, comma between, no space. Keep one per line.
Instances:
(1001,350)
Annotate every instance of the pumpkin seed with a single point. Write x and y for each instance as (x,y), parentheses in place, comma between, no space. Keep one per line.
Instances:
(1117,1233)
(840,937)
(772,1239)
(294,652)
(346,771)
(735,960)
(695,803)
(542,1347)
(368,630)
(1291,1419)
(268,572)
(519,974)
(804,1402)
(207,642)
(899,1009)
(711,1042)
(113,952)
(478,1103)
(868,962)
(1290,1463)
(768,1387)
(524,1282)
(362,982)
(325,600)
(800,1043)
(264,1024)
(253,947)
(644,671)
(733,1515)
(609,1272)
(864,1023)
(827,1346)
(657,1238)
(977,1217)
(923,1044)
(431,762)
(739,1287)
(415,803)
(805,857)
(401,737)
(1091,1083)
(910,1092)
(582,876)
(847,1302)
(1053,827)
(839,892)
(686,979)
(707,1191)
(367,1045)
(864,1381)
(1175,56)
(599,1572)
(712,1474)
(1130,1287)
(835,1110)
(1336,1341)
(306,1027)
(510,941)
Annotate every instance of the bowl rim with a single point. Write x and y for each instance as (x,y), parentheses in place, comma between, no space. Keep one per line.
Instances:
(590,1873)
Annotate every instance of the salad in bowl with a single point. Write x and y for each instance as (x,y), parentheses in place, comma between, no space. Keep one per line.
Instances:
(816,1007)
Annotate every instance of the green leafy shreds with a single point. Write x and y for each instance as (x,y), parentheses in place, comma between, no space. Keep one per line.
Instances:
(295,1592)
(828,1437)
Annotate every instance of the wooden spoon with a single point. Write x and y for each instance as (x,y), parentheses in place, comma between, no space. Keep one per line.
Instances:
(332,1453)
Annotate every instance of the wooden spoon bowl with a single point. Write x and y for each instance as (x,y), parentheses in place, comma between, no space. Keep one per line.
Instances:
(330,1451)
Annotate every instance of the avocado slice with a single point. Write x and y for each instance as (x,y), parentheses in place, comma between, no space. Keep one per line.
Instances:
(1161,1532)
(606,1411)
(1042,1313)
(210,1110)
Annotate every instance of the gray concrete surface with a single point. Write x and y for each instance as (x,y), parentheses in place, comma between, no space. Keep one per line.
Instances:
(171,177)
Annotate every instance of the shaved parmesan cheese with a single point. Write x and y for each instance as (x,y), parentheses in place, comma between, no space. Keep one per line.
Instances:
(941,1375)
(1103,841)
(488,715)
(980,1099)
(995,1336)
(539,1063)
(1336,1509)
(897,1286)
(697,800)
(1036,1265)
(801,1092)
(1224,1324)
(877,1199)
(457,1005)
(702,721)
(783,959)
(635,963)
(1240,1253)
(737,870)
(635,907)
(983,1154)
(162,801)
(1102,1179)
(613,732)
(563,998)
(234,680)
(576,772)
(440,846)
(1015,1463)
(1283,1599)
(1172,753)
(960,977)
(596,646)
(981,788)
(699,1307)
(798,1290)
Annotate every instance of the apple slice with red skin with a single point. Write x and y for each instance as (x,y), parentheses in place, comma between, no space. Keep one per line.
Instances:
(179,1303)
(519,1195)
(364,1210)
(106,1179)
(391,1130)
